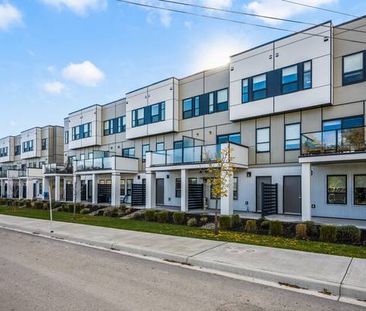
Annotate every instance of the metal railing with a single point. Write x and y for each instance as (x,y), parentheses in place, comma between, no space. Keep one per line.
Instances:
(334,141)
(54,169)
(94,164)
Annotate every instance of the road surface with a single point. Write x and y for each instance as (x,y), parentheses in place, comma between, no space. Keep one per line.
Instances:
(41,274)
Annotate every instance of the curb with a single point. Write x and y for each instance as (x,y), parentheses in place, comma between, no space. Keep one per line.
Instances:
(329,290)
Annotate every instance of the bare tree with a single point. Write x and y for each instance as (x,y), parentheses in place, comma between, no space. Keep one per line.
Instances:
(218,175)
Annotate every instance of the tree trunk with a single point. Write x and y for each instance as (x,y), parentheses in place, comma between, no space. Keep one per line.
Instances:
(216,218)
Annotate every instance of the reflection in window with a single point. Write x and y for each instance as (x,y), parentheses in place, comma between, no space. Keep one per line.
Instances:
(259,87)
(353,68)
(360,190)
(263,140)
(337,189)
(292,136)
(289,79)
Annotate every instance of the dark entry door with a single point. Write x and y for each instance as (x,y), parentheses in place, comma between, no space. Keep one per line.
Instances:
(160,191)
(90,190)
(259,181)
(292,194)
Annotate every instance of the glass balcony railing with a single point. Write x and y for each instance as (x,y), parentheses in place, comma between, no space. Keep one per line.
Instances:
(186,155)
(94,164)
(54,169)
(334,141)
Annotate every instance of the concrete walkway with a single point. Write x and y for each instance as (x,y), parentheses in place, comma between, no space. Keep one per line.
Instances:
(342,277)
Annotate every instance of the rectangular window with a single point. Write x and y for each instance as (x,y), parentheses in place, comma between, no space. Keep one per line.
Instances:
(86,130)
(18,150)
(353,68)
(44,144)
(222,100)
(359,195)
(155,113)
(245,91)
(108,127)
(263,140)
(128,152)
(228,138)
(160,146)
(211,102)
(178,187)
(336,189)
(28,146)
(292,136)
(187,108)
(259,88)
(236,189)
(123,186)
(307,75)
(196,106)
(129,187)
(123,124)
(192,181)
(138,117)
(145,148)
(66,137)
(289,80)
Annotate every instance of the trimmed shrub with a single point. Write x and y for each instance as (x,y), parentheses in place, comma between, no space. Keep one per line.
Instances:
(348,234)
(162,216)
(203,220)
(111,212)
(85,211)
(149,215)
(328,233)
(28,203)
(275,228)
(311,229)
(178,218)
(225,222)
(46,205)
(250,226)
(301,231)
(235,221)
(192,222)
(38,204)
(265,225)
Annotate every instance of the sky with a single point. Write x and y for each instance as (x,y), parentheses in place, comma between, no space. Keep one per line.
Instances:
(57,56)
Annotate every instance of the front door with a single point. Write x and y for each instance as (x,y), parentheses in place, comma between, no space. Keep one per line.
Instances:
(259,181)
(160,191)
(292,194)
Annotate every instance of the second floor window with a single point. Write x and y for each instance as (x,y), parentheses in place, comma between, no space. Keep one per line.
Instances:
(222,100)
(113,126)
(17,150)
(263,140)
(292,136)
(28,146)
(145,148)
(81,131)
(289,79)
(4,152)
(259,87)
(160,146)
(354,68)
(128,152)
(150,114)
(228,138)
(66,137)
(44,144)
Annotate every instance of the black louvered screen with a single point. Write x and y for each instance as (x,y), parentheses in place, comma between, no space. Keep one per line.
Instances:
(69,193)
(269,199)
(24,191)
(195,196)
(104,193)
(83,191)
(138,195)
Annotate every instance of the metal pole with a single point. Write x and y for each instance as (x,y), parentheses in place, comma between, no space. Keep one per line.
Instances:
(51,215)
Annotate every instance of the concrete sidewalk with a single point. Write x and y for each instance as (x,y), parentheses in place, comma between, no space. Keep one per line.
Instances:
(342,277)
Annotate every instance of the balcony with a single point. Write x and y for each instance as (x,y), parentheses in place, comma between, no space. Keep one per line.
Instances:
(55,169)
(197,156)
(334,144)
(112,163)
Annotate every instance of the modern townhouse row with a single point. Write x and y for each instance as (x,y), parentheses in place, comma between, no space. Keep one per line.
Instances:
(292,111)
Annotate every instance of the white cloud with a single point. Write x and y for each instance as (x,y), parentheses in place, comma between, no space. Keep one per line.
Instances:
(220,4)
(85,73)
(54,87)
(281,9)
(9,16)
(80,7)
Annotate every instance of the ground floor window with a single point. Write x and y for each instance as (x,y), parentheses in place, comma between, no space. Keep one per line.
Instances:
(236,189)
(129,187)
(359,193)
(123,187)
(336,189)
(192,181)
(178,187)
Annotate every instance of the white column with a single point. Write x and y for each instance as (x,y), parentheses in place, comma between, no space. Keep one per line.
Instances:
(76,189)
(10,189)
(57,188)
(116,189)
(150,190)
(305,191)
(95,189)
(184,191)
(226,203)
(29,183)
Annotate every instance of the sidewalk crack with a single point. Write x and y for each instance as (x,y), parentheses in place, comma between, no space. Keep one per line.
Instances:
(340,285)
(208,249)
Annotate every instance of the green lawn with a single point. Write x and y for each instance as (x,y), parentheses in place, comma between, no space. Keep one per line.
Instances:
(178,230)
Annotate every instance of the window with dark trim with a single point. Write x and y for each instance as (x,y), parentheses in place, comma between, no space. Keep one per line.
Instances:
(336,189)
(17,150)
(307,75)
(28,146)
(354,68)
(259,87)
(359,191)
(147,115)
(123,186)
(145,148)
(128,152)
(114,126)
(205,104)
(245,90)
(44,143)
(3,152)
(129,187)
(292,136)
(235,188)
(81,131)
(263,140)
(290,79)
(228,138)
(178,187)
(192,181)
(160,146)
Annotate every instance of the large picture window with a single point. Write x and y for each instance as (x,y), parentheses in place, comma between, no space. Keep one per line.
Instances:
(222,100)
(359,195)
(353,68)
(263,140)
(337,189)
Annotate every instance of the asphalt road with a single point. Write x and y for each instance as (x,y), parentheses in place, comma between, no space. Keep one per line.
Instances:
(42,274)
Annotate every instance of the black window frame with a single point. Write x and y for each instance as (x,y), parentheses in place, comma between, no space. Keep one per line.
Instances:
(235,188)
(218,105)
(122,186)
(18,150)
(265,89)
(44,144)
(178,190)
(160,143)
(293,139)
(67,137)
(228,138)
(124,150)
(363,70)
(143,156)
(148,117)
(296,82)
(346,192)
(261,143)
(354,189)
